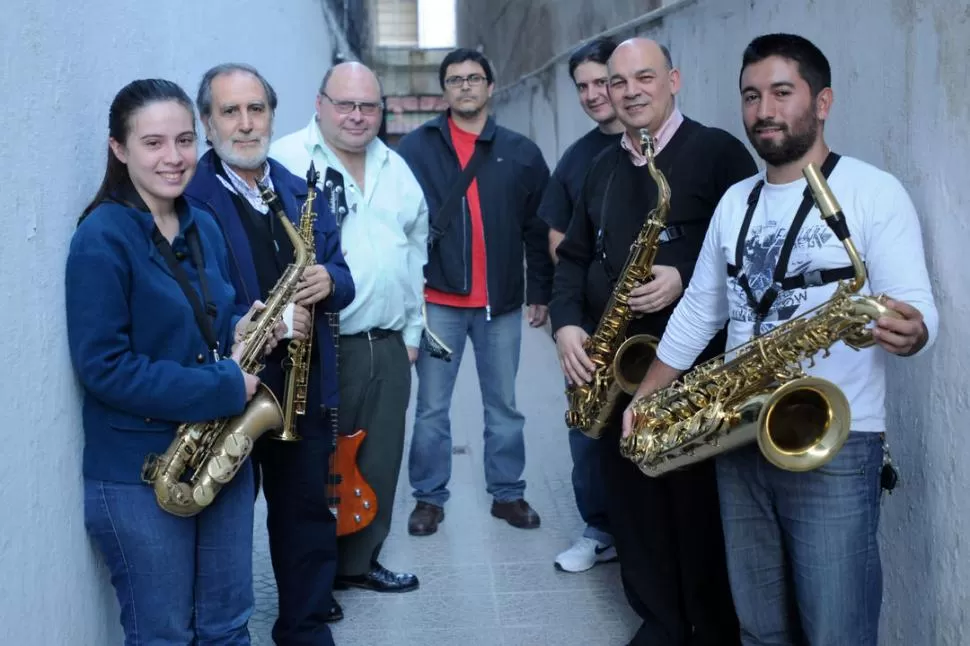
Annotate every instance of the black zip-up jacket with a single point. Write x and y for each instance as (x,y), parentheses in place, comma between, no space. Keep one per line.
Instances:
(510,186)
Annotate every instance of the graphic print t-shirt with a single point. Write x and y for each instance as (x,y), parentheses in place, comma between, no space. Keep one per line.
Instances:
(770,225)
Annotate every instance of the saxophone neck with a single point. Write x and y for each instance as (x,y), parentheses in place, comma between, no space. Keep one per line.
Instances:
(273,201)
(832,213)
(647,145)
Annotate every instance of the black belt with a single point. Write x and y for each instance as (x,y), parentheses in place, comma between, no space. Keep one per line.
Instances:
(373,334)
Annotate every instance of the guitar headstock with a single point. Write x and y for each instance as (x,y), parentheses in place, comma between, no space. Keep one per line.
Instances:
(333,188)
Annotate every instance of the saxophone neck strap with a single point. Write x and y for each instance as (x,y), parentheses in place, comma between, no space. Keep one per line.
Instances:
(781,282)
(204,315)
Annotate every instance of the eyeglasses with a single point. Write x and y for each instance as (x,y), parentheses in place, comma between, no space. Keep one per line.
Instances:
(367,108)
(458,81)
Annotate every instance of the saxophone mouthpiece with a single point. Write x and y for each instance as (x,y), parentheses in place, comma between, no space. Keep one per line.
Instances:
(312,176)
(646,143)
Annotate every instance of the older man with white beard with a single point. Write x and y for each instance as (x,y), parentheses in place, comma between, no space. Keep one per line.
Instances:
(236,105)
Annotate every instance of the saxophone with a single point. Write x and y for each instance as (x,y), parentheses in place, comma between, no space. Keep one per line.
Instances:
(297,363)
(763,393)
(216,449)
(621,364)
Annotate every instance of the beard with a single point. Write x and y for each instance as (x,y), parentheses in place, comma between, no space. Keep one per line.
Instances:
(796,139)
(250,161)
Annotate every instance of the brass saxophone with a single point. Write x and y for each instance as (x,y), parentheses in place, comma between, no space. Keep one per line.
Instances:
(215,450)
(763,393)
(297,363)
(621,364)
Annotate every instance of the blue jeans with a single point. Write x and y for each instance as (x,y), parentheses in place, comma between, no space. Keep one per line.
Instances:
(496,344)
(178,580)
(801,547)
(588,485)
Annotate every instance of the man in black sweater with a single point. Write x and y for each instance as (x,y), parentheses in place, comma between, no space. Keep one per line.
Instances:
(667,530)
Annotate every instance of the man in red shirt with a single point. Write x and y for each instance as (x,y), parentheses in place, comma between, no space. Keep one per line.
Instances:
(483,184)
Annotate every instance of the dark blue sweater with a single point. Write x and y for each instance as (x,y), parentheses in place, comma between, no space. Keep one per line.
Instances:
(205,191)
(134,341)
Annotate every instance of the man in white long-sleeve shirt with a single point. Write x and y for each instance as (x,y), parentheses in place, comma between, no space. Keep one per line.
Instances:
(802,540)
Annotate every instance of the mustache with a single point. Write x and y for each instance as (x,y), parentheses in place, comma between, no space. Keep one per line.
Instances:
(763,124)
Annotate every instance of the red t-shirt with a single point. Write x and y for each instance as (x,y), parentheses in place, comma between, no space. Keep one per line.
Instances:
(478,296)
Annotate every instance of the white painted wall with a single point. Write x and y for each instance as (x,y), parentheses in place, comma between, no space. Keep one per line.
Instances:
(60,65)
(902,102)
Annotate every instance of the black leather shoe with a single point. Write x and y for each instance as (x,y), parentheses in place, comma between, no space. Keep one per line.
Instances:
(424,519)
(336,613)
(379,579)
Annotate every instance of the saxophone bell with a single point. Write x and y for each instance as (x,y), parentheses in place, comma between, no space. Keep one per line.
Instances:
(632,359)
(803,424)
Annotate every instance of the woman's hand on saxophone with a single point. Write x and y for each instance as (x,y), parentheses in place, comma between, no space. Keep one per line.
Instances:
(251,381)
(242,326)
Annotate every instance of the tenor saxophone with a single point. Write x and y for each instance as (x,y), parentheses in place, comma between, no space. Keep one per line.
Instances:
(213,451)
(621,364)
(297,363)
(763,393)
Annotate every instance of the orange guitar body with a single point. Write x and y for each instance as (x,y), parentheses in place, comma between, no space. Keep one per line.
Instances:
(352,500)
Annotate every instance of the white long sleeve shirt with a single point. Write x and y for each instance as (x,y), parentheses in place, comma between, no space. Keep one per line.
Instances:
(884,226)
(384,233)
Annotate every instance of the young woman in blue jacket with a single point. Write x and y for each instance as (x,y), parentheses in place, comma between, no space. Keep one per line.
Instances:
(146,365)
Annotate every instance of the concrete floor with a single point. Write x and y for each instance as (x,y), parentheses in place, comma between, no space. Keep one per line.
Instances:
(483,583)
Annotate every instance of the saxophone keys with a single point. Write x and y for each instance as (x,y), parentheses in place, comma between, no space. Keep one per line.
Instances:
(238,446)
(202,494)
(221,468)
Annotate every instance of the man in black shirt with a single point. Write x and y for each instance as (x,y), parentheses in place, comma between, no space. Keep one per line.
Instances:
(667,530)
(587,67)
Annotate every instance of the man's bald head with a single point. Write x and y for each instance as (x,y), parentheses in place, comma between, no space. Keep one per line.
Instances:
(650,47)
(349,107)
(354,73)
(643,83)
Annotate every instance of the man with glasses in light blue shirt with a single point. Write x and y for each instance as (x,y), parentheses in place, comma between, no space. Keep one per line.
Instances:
(383,221)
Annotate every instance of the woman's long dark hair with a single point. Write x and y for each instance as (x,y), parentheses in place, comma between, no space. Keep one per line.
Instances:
(127,102)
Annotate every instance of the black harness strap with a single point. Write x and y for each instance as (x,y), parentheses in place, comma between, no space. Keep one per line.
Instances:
(779,280)
(204,316)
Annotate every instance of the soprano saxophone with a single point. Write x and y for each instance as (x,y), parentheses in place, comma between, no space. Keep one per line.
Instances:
(621,364)
(297,363)
(763,393)
(215,450)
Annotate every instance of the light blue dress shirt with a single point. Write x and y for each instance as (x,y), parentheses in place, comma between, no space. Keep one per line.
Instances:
(384,235)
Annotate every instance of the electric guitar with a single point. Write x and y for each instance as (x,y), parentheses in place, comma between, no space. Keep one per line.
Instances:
(352,501)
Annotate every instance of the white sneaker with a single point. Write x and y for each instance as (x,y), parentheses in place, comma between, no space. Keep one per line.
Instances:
(584,554)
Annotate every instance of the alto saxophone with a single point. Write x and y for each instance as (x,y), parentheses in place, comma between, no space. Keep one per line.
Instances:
(763,393)
(215,450)
(621,364)
(297,363)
